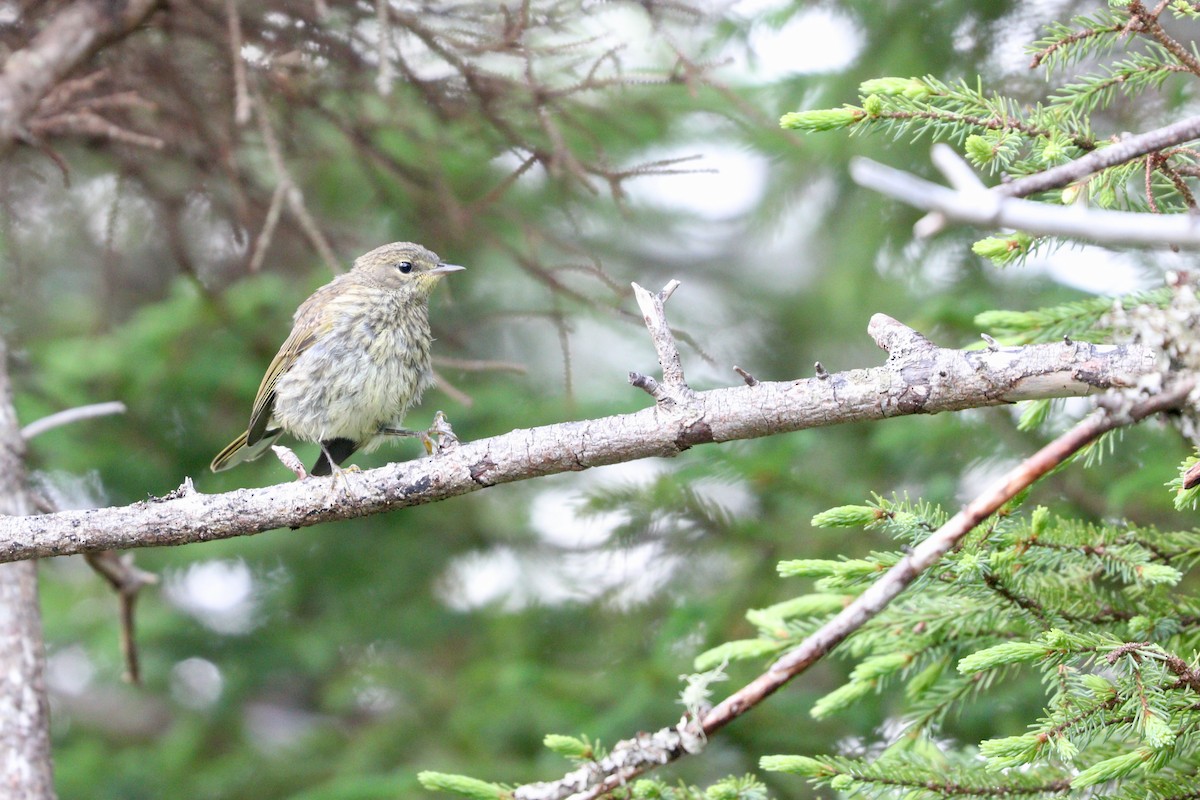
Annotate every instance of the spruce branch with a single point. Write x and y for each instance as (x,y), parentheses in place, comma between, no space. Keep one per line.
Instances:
(871,602)
(1121,151)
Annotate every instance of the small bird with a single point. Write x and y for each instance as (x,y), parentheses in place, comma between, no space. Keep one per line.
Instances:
(356,359)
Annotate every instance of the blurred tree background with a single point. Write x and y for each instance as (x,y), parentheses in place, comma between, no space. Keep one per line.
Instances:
(206,173)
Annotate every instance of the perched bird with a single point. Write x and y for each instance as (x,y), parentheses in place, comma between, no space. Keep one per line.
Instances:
(356,359)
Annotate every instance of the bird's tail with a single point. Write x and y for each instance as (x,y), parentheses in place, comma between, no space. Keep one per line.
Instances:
(238,451)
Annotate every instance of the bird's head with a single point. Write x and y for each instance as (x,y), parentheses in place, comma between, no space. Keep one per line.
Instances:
(401,265)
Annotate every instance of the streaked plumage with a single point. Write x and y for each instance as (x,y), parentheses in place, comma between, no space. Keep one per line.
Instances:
(356,359)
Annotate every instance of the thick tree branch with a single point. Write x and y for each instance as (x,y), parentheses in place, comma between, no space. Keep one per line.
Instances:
(918,378)
(25,769)
(67,40)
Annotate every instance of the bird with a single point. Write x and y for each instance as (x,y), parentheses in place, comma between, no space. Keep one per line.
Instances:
(357,358)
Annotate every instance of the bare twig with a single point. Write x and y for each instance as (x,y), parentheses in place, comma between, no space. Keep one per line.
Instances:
(655,318)
(70,37)
(241,94)
(386,47)
(263,242)
(746,376)
(480,365)
(992,210)
(128,581)
(66,417)
(452,391)
(291,192)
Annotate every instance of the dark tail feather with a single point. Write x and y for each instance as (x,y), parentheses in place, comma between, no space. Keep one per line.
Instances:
(337,449)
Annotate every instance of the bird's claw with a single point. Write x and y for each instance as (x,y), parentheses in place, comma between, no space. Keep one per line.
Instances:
(446,438)
(290,460)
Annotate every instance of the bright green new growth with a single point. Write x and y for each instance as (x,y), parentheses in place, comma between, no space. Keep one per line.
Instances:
(1028,591)
(462,785)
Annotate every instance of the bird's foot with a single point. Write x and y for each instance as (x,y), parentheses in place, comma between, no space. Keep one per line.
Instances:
(438,438)
(339,487)
(446,439)
(290,460)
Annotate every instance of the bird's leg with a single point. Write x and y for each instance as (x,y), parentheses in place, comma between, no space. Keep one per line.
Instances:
(339,487)
(290,460)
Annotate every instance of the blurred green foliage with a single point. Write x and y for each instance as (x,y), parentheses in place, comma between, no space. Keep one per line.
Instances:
(335,663)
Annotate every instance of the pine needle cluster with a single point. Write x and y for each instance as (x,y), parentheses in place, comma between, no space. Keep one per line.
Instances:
(1098,611)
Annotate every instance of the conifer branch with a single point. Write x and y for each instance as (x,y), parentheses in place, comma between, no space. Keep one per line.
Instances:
(871,602)
(929,551)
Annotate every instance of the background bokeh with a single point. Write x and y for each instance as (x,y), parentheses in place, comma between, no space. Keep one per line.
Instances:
(337,661)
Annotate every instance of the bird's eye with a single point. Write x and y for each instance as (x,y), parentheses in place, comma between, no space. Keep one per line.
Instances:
(405,267)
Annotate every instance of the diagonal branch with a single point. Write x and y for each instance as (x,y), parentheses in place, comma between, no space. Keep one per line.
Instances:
(918,378)
(647,751)
(1125,150)
(69,39)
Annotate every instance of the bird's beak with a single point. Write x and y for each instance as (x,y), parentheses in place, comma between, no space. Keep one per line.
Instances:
(442,269)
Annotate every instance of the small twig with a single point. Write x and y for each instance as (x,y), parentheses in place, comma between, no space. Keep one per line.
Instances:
(67,416)
(655,318)
(387,69)
(291,192)
(746,376)
(241,102)
(480,365)
(648,385)
(451,391)
(263,242)
(128,581)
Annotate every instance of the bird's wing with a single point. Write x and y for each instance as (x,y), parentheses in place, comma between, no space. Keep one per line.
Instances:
(312,321)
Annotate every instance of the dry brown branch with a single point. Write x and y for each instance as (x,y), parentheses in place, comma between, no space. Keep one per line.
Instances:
(67,40)
(291,192)
(127,580)
(241,93)
(480,365)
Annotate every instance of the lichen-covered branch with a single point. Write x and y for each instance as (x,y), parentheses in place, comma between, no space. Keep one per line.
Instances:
(918,378)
